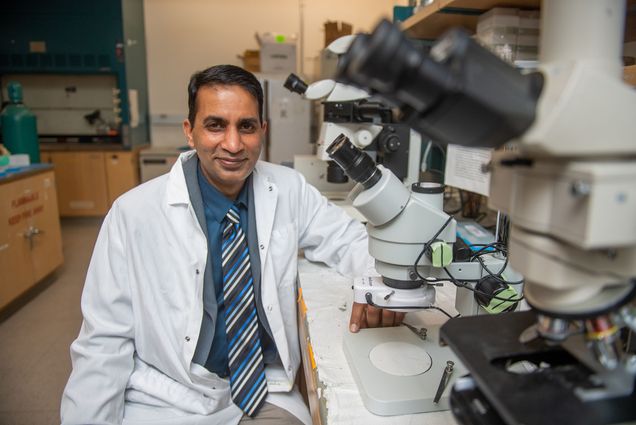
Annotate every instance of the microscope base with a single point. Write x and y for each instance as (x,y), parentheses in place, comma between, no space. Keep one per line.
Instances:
(398,373)
(488,345)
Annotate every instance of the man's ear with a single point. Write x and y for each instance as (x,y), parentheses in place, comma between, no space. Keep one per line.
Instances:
(264,127)
(187,130)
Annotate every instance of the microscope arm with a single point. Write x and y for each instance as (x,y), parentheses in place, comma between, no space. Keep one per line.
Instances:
(411,239)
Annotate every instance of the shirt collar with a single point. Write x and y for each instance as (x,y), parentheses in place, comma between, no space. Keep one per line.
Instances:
(218,203)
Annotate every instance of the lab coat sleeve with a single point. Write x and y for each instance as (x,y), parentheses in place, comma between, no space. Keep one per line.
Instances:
(328,234)
(102,354)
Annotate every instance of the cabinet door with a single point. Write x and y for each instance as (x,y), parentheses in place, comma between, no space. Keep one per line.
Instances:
(16,271)
(81,183)
(121,173)
(46,238)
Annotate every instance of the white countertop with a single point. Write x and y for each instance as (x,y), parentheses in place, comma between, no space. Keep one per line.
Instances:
(328,298)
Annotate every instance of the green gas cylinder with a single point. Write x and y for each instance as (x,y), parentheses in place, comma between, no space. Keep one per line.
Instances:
(19,130)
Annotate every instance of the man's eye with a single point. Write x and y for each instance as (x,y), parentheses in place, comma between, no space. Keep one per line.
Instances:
(248,128)
(215,126)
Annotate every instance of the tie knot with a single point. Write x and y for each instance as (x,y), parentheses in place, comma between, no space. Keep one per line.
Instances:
(233,215)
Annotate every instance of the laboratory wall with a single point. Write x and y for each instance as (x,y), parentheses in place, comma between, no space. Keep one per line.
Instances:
(188,35)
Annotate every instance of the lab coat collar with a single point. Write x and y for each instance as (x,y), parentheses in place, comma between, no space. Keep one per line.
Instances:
(265,197)
(176,189)
(265,200)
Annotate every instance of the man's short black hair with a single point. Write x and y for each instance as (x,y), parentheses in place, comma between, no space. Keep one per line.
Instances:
(223,75)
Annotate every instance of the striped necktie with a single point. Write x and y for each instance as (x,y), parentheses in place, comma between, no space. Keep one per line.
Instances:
(247,369)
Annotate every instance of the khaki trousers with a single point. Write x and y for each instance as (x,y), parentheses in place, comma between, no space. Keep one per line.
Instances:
(271,415)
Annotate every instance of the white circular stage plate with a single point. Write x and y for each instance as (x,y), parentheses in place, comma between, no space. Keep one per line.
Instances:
(400,358)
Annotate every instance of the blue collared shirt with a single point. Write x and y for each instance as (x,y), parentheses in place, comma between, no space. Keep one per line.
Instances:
(216,206)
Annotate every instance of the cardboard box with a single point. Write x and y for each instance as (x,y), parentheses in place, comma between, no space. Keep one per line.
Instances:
(251,60)
(629,75)
(335,30)
(277,54)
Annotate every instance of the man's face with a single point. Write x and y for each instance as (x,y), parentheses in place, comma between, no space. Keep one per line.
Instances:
(227,135)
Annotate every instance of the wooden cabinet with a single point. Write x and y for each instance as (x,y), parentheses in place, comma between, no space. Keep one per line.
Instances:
(81,182)
(30,236)
(15,259)
(122,173)
(88,182)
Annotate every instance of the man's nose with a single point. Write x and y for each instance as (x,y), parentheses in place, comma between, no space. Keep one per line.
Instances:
(232,142)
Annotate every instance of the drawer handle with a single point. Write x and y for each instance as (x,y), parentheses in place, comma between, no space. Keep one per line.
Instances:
(31,232)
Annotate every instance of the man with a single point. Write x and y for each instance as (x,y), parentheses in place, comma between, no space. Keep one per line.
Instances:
(190,299)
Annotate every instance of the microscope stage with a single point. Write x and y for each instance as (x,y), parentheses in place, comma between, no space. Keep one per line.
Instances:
(398,373)
(489,346)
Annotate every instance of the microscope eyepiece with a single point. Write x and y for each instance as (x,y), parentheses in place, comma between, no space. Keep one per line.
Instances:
(356,164)
(458,81)
(294,84)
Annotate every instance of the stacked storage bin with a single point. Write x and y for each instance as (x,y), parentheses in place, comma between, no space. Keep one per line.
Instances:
(513,34)
(528,38)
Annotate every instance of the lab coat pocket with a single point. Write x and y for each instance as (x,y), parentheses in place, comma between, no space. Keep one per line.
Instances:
(151,387)
(283,254)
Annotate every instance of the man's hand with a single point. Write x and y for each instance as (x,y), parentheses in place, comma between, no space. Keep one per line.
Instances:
(366,316)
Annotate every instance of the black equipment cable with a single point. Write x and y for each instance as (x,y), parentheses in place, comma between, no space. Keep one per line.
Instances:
(482,251)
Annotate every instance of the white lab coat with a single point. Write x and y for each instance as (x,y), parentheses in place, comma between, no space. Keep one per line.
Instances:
(143,300)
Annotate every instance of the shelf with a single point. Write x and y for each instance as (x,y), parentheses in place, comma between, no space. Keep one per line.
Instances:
(433,20)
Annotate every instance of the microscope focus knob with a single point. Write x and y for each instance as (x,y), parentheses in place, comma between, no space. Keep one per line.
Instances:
(392,143)
(363,138)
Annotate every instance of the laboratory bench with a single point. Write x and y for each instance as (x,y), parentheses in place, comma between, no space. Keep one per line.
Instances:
(30,234)
(16,173)
(324,309)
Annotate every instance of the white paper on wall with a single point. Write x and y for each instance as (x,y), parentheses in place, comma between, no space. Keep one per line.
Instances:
(466,168)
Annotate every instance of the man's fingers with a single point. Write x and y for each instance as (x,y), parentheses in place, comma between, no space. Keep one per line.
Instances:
(374,316)
(399,318)
(365,316)
(357,320)
(387,317)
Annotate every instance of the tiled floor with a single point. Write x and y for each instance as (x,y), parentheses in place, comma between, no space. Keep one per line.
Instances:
(34,341)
